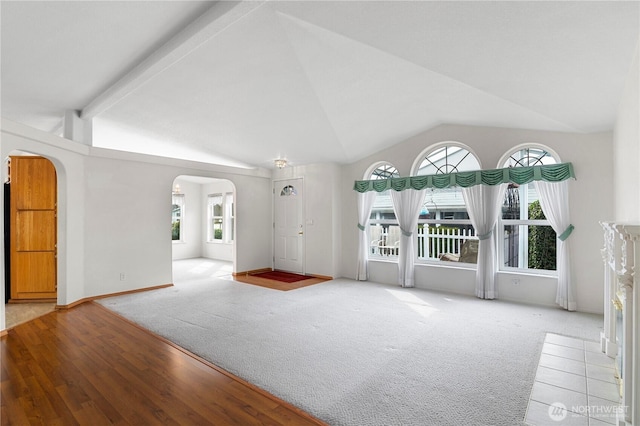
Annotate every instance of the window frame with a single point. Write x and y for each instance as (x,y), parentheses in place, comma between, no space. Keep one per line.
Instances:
(212,217)
(226,218)
(180,219)
(442,149)
(523,189)
(381,170)
(229,217)
(437,148)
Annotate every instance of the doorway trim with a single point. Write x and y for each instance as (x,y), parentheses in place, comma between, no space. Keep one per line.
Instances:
(62,275)
(203,242)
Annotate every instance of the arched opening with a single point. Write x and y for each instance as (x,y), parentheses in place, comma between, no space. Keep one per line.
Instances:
(202,228)
(30,203)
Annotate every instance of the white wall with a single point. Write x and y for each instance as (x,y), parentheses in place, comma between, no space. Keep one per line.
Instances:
(217,249)
(141,250)
(254,249)
(591,200)
(114,214)
(627,149)
(127,217)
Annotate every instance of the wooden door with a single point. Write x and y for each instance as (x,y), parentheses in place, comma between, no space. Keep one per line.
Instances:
(33,228)
(288,226)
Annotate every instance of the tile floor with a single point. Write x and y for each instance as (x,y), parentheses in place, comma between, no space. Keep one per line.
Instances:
(17,313)
(575,384)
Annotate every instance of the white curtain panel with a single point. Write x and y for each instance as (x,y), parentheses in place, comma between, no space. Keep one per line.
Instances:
(484,204)
(365,203)
(554,200)
(407,205)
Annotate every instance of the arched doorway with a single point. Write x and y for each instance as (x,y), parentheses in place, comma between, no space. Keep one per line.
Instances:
(30,237)
(202,227)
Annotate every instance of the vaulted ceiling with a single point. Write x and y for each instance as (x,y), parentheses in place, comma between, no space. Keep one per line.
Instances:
(313,81)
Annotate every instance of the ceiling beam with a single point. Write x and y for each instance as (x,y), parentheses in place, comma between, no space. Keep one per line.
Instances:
(215,20)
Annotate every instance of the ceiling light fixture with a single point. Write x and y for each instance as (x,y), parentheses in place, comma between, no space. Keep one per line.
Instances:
(280,163)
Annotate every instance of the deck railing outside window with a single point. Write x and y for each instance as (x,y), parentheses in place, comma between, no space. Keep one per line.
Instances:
(434,239)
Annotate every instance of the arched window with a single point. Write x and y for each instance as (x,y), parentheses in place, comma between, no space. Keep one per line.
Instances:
(447,159)
(384,171)
(526,239)
(384,232)
(444,229)
(288,191)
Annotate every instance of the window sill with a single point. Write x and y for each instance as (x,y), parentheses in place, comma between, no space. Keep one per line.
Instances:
(529,272)
(446,264)
(468,266)
(431,263)
(384,259)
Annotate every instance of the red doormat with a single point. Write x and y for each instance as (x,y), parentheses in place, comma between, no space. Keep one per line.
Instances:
(285,277)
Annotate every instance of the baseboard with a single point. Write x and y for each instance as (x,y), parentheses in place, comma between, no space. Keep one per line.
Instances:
(322,277)
(4,332)
(103,296)
(252,272)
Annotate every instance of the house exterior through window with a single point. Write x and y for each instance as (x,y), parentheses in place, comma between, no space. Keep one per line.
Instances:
(526,239)
(444,230)
(220,217)
(177,215)
(384,232)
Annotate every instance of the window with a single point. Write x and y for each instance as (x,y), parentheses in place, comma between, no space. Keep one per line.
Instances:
(177,214)
(444,229)
(384,232)
(220,215)
(288,191)
(527,240)
(215,217)
(229,215)
(447,159)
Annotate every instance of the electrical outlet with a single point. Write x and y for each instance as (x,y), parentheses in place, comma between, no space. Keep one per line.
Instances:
(121,276)
(515,281)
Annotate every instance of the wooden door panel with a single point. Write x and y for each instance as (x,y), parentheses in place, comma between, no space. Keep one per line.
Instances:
(37,271)
(37,183)
(35,230)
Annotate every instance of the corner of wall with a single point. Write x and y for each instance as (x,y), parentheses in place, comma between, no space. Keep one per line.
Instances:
(626,147)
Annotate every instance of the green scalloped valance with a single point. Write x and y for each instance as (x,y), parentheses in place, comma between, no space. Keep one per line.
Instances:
(519,175)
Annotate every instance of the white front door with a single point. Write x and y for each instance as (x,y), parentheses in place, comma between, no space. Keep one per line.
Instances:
(288,226)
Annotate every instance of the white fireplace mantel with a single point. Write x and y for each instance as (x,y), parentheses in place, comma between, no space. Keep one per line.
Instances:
(621,339)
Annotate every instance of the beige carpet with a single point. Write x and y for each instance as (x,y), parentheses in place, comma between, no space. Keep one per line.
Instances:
(364,354)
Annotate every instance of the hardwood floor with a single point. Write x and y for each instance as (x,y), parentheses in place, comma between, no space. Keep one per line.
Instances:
(89,366)
(278,285)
